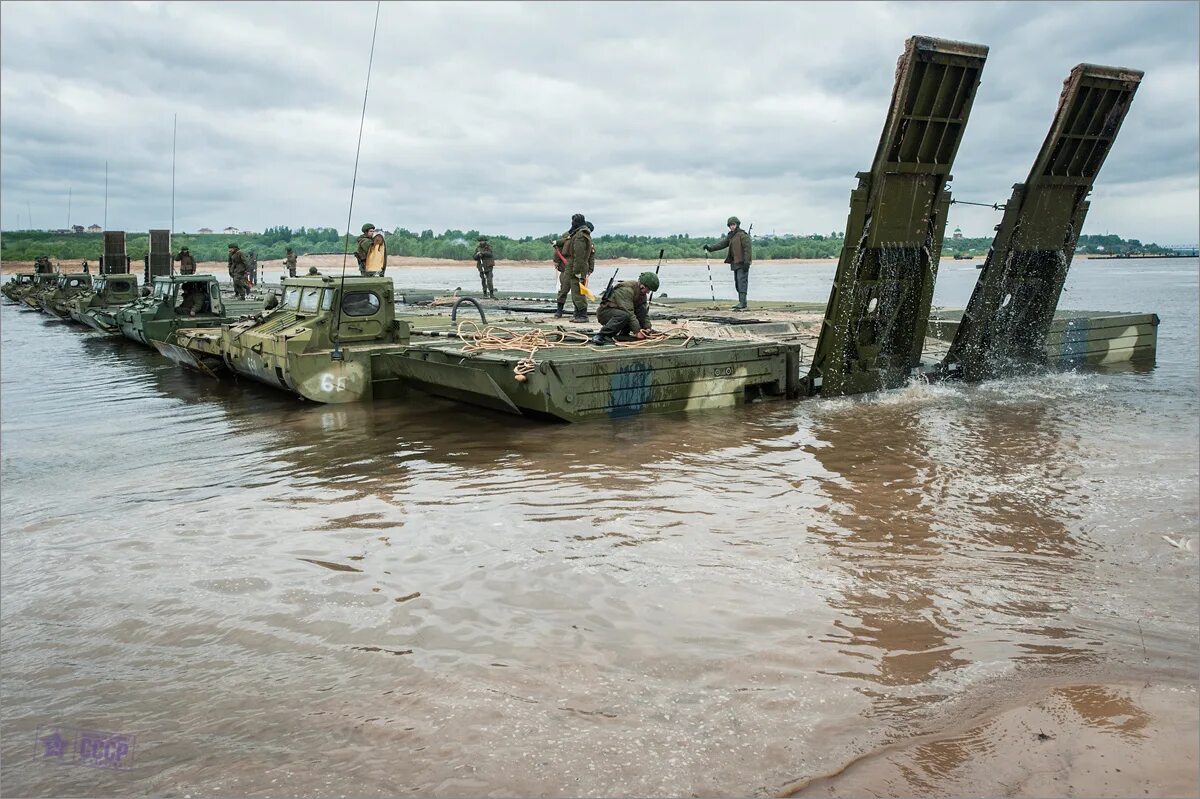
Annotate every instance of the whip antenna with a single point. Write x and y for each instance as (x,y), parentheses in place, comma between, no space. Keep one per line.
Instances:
(337,349)
(174,129)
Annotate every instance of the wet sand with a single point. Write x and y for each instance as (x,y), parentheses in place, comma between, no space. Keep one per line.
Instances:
(1090,739)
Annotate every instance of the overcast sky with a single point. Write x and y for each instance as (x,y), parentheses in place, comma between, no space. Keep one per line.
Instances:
(651,118)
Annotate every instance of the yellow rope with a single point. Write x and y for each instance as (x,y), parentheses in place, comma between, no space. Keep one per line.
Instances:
(494,338)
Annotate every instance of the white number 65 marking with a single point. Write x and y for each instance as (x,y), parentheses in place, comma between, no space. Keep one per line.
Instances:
(328,383)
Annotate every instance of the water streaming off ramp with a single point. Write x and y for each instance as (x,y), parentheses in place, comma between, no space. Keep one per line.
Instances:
(425,598)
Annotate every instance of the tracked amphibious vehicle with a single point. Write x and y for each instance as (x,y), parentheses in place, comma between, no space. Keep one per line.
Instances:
(69,286)
(174,302)
(107,294)
(17,285)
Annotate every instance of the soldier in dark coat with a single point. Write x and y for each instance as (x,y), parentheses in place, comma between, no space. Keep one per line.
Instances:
(485,262)
(739,258)
(239,270)
(187,264)
(579,261)
(289,260)
(625,310)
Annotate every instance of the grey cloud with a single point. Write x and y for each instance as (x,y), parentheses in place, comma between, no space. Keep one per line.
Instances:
(507,117)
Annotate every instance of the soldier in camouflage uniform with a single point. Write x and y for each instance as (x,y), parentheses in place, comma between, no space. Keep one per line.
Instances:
(738,242)
(578,259)
(364,247)
(42,265)
(289,260)
(239,270)
(625,309)
(485,262)
(187,264)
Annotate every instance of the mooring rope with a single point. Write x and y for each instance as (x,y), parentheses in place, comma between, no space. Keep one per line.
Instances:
(477,338)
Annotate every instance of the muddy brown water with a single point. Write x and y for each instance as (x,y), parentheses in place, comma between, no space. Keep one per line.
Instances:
(418,597)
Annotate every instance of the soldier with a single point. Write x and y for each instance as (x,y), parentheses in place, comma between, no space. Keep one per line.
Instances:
(579,261)
(625,309)
(187,264)
(369,234)
(738,242)
(312,270)
(193,297)
(289,260)
(485,262)
(239,270)
(85,267)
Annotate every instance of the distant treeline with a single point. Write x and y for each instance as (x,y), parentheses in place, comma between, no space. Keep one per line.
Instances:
(459,245)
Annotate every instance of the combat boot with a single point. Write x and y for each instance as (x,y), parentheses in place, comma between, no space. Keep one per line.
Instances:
(741,306)
(579,317)
(600,340)
(559,313)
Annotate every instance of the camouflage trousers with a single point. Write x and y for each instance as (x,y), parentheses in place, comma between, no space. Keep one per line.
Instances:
(485,278)
(615,322)
(241,287)
(569,283)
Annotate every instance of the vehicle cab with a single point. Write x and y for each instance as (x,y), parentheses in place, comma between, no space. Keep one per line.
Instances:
(174,301)
(18,282)
(68,287)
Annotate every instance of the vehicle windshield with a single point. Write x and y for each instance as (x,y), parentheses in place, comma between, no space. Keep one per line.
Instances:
(291,297)
(308,300)
(164,289)
(327,301)
(98,286)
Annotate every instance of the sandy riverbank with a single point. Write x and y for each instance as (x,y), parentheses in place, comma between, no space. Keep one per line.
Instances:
(327,263)
(1094,739)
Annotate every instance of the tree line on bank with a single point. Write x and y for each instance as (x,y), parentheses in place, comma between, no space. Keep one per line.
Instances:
(459,245)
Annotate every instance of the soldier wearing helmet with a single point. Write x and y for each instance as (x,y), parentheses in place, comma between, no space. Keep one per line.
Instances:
(364,246)
(625,310)
(739,258)
(485,262)
(187,264)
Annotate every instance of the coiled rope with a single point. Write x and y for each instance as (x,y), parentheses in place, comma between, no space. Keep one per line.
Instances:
(477,338)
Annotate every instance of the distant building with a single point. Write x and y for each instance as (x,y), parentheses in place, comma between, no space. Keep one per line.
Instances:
(95,229)
(957,234)
(231,230)
(204,230)
(77,228)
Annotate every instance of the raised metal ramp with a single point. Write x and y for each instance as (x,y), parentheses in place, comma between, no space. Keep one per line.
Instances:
(1006,323)
(114,261)
(874,326)
(158,259)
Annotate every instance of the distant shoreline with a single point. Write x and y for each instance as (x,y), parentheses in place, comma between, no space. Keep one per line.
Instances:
(329,263)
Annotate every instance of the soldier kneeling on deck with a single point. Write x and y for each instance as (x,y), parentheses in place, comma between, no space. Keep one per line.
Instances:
(625,309)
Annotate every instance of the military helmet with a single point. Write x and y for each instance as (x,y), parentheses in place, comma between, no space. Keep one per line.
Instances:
(576,220)
(649,280)
(733,220)
(312,270)
(482,239)
(233,246)
(185,249)
(289,249)
(367,227)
